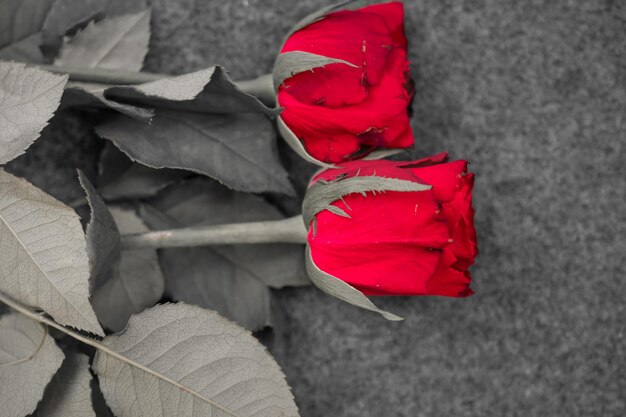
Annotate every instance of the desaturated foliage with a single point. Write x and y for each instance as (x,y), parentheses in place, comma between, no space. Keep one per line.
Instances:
(69,392)
(208,90)
(120,178)
(232,279)
(103,237)
(179,151)
(21,22)
(29,359)
(122,283)
(44,261)
(99,46)
(136,283)
(28,99)
(217,146)
(87,48)
(220,368)
(68,15)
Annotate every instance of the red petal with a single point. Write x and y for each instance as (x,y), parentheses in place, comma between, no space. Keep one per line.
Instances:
(460,217)
(449,281)
(403,140)
(391,240)
(335,148)
(334,85)
(388,217)
(383,111)
(387,269)
(393,13)
(445,178)
(363,39)
(388,244)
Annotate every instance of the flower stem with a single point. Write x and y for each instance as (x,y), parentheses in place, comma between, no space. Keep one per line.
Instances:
(289,230)
(261,87)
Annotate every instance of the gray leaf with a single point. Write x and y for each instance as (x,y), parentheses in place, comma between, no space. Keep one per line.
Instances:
(80,94)
(238,150)
(140,181)
(289,64)
(122,178)
(28,360)
(204,277)
(20,23)
(137,284)
(277,265)
(99,403)
(206,91)
(118,43)
(25,50)
(65,15)
(342,290)
(201,202)
(112,164)
(69,392)
(183,361)
(103,238)
(28,99)
(43,261)
(68,14)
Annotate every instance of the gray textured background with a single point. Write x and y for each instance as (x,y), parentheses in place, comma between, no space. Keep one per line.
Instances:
(533,93)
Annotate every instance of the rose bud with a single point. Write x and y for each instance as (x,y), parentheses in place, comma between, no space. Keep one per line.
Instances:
(391,228)
(344,84)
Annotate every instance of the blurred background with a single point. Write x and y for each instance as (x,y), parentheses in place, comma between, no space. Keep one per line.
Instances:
(532,93)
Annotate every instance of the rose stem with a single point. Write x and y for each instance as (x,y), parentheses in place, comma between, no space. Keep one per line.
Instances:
(289,230)
(261,87)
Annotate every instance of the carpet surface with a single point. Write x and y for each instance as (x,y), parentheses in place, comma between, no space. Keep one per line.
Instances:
(533,93)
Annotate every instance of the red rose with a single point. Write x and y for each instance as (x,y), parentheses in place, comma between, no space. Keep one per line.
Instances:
(357,104)
(396,242)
